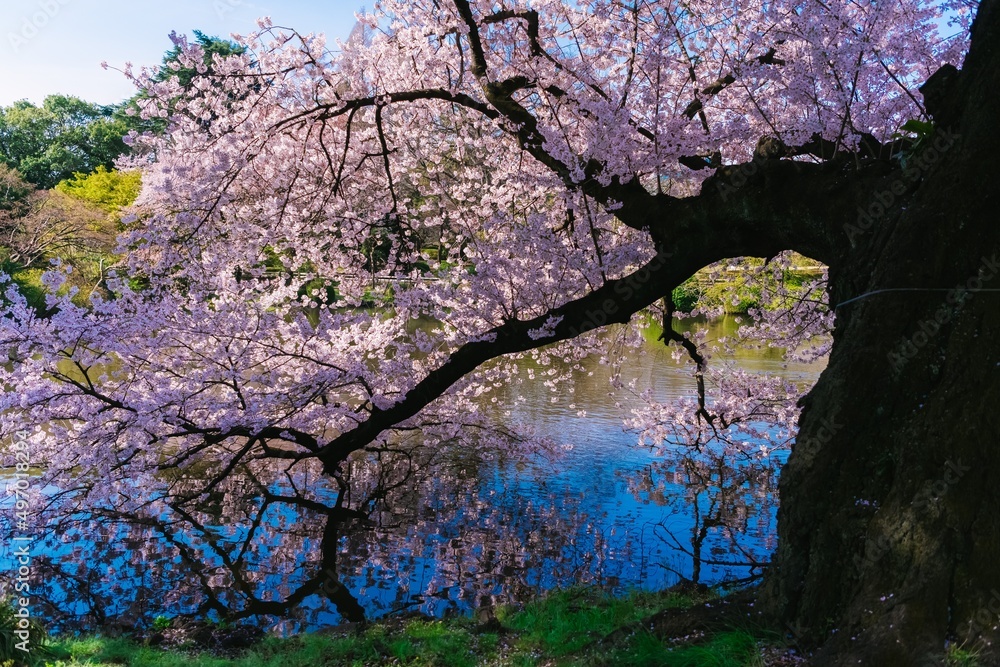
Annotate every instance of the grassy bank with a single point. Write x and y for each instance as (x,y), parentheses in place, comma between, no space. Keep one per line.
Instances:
(578,627)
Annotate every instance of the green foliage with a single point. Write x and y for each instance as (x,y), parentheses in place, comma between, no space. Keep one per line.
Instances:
(64,136)
(735,294)
(36,642)
(958,656)
(737,286)
(38,226)
(727,649)
(584,627)
(321,290)
(109,189)
(920,128)
(376,249)
(917,135)
(58,226)
(573,627)
(567,621)
(211,46)
(414,643)
(686,295)
(29,283)
(162,622)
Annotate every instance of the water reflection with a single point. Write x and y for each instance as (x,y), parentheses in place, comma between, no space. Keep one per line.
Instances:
(402,531)
(406,527)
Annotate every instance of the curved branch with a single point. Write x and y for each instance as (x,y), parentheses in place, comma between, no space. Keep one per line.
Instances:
(614,302)
(775,208)
(340,107)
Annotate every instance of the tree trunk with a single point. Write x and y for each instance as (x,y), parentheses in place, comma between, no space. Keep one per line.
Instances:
(889,527)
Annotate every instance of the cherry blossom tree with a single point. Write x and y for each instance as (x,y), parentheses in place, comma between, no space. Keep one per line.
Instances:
(508,177)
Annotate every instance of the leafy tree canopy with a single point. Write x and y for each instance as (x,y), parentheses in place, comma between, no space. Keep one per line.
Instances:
(65,135)
(211,47)
(112,190)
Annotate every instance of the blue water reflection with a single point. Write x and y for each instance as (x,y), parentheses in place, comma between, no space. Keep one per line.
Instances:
(436,536)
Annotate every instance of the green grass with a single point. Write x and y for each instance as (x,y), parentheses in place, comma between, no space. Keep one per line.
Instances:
(566,622)
(19,635)
(957,656)
(574,627)
(413,643)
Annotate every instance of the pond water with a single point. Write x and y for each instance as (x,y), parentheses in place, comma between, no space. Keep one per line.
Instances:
(426,532)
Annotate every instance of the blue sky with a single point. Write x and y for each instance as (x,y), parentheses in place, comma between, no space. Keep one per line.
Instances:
(56,46)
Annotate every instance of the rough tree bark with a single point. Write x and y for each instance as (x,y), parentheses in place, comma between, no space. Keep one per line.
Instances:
(889,529)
